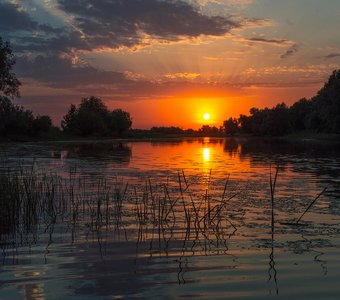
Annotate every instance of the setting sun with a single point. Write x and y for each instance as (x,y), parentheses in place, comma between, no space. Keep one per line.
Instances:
(206,116)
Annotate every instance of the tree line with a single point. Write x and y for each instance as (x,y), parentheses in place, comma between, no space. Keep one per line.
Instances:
(320,114)
(15,119)
(90,118)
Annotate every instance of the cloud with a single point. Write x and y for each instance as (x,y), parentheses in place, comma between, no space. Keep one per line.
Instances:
(100,24)
(182,75)
(62,72)
(269,41)
(295,76)
(111,24)
(13,19)
(291,51)
(115,23)
(331,55)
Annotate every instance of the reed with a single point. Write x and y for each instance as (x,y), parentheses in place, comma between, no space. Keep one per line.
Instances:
(311,204)
(159,212)
(272,182)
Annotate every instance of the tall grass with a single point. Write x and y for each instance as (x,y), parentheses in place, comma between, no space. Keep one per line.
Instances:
(33,201)
(159,213)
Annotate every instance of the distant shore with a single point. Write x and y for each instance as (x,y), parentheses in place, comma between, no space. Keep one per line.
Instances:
(147,136)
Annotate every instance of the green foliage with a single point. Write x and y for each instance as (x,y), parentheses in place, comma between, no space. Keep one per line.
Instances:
(230,126)
(120,121)
(276,122)
(9,84)
(319,114)
(298,112)
(16,121)
(42,124)
(326,106)
(207,130)
(167,130)
(270,122)
(92,117)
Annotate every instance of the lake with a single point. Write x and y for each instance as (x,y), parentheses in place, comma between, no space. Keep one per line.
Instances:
(194,218)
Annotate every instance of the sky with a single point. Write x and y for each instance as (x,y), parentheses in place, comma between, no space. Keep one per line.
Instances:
(168,62)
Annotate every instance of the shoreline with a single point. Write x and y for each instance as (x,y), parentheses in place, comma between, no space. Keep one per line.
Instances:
(295,137)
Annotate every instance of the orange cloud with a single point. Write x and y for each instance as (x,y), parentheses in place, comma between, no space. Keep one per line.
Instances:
(184,75)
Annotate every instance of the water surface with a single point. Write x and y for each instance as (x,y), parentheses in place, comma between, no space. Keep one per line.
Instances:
(138,224)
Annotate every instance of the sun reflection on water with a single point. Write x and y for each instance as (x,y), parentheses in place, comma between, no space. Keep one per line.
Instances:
(206,154)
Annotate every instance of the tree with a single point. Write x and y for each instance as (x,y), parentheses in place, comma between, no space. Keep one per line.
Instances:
(42,124)
(14,119)
(120,121)
(167,130)
(276,121)
(207,130)
(92,117)
(319,114)
(68,123)
(230,126)
(325,111)
(298,113)
(9,84)
(245,124)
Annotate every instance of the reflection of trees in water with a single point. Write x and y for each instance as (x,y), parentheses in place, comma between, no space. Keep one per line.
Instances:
(181,141)
(120,152)
(232,147)
(167,142)
(317,157)
(274,147)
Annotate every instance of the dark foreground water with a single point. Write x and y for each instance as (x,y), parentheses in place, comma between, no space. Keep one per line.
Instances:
(172,219)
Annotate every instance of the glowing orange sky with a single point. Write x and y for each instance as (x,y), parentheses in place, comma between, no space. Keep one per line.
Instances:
(186,112)
(222,57)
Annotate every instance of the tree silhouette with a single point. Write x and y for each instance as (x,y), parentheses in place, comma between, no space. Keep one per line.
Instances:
(325,115)
(319,114)
(120,121)
(14,119)
(92,117)
(9,84)
(298,114)
(230,126)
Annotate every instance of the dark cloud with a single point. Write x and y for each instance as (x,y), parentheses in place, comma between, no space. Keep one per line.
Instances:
(99,24)
(60,72)
(291,51)
(25,33)
(115,23)
(332,55)
(268,41)
(11,18)
(65,42)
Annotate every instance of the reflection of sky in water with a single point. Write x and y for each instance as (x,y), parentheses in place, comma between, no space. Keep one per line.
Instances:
(83,263)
